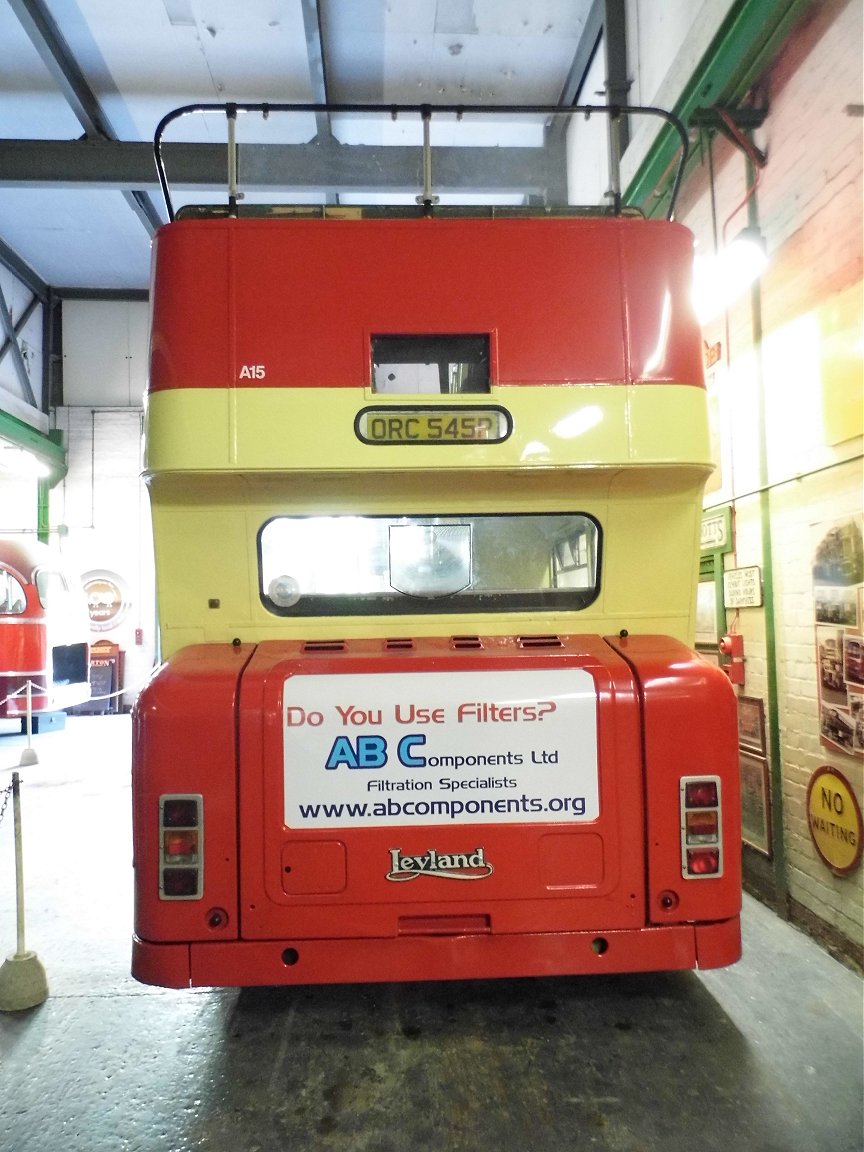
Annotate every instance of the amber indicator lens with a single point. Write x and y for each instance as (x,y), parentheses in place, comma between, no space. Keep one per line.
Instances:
(180,881)
(701,826)
(180,843)
(700,794)
(180,813)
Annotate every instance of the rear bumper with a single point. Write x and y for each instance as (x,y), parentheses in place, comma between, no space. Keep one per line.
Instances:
(473,957)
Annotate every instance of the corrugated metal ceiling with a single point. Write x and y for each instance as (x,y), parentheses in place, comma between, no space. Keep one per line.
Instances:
(110,69)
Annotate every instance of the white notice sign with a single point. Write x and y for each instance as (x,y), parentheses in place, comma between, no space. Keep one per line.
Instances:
(392,749)
(742,588)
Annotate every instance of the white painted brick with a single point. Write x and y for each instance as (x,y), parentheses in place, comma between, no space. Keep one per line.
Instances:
(809,202)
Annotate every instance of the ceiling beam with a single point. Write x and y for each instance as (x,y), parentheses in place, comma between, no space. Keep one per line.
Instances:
(60,61)
(22,271)
(297,167)
(572,92)
(57,57)
(111,295)
(317,67)
(311,12)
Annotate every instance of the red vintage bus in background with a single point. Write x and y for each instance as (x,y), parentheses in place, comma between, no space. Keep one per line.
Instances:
(426,488)
(44,631)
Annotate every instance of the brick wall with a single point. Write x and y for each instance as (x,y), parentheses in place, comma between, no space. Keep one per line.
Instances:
(802,384)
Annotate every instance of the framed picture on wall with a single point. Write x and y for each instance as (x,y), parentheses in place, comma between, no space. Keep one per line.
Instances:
(755,803)
(751,725)
(707,629)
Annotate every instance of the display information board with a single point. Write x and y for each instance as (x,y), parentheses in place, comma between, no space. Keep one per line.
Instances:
(440,748)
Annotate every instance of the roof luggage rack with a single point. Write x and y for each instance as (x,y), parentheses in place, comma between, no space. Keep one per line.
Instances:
(488,159)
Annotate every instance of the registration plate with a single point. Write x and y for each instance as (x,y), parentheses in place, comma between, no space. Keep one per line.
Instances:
(437,425)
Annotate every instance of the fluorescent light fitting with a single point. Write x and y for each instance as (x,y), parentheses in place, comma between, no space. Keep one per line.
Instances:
(720,280)
(22,463)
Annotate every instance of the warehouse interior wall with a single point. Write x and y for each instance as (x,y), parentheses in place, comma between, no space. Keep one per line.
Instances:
(99,511)
(784,368)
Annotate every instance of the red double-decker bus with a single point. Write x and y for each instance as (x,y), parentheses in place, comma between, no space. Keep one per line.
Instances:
(426,488)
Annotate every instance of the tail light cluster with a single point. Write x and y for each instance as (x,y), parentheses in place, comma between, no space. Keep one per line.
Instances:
(181,847)
(701,827)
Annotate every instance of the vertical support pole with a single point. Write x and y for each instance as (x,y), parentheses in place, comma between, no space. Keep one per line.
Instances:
(617,88)
(19,857)
(28,755)
(23,983)
(427,197)
(615,161)
(775,762)
(231,113)
(615,48)
(43,518)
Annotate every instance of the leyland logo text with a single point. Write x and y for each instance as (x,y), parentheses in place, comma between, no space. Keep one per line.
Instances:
(449,866)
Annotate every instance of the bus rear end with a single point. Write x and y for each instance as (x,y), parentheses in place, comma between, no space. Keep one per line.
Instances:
(426,494)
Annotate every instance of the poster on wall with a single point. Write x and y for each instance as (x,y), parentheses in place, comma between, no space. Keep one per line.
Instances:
(755,802)
(107,599)
(838,597)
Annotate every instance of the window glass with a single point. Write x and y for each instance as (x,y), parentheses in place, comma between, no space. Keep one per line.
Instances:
(363,565)
(425,365)
(13,601)
(51,587)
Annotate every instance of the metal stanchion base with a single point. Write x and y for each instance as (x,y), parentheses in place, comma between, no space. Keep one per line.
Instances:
(23,983)
(28,756)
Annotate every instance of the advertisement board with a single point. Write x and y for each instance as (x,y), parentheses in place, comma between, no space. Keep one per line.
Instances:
(440,748)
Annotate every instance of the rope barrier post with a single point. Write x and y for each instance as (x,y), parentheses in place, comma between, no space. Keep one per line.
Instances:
(23,983)
(28,755)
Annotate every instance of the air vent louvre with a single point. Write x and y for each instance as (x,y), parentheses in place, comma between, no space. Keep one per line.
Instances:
(466,642)
(324,646)
(540,642)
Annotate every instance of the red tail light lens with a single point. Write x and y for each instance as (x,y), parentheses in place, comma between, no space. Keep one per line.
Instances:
(180,812)
(703,861)
(700,794)
(180,883)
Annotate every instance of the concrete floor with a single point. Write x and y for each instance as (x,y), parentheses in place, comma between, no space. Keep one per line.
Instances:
(763,1057)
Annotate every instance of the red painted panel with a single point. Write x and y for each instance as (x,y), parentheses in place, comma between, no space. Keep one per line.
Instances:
(718,945)
(191,331)
(420,957)
(24,646)
(477,956)
(565,898)
(690,723)
(590,873)
(23,653)
(665,343)
(307,295)
(184,741)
